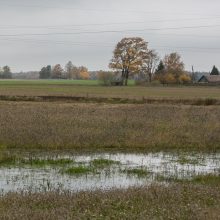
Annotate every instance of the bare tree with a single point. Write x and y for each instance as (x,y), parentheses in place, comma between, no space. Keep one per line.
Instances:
(151,64)
(69,70)
(57,72)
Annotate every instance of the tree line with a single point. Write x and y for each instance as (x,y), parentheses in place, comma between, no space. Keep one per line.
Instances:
(69,72)
(133,57)
(5,72)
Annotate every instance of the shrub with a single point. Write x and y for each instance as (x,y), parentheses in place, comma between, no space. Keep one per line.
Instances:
(105,78)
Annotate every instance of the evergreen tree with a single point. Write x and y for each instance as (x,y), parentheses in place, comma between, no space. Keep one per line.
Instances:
(215,71)
(160,67)
(45,72)
(6,73)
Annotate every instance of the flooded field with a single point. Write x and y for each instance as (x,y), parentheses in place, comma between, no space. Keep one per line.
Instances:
(101,171)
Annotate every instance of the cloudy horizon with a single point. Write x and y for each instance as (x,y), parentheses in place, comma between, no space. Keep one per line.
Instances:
(34,34)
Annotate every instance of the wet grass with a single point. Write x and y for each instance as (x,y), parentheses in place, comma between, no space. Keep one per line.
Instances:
(102,163)
(7,159)
(205,179)
(169,179)
(176,201)
(46,162)
(93,167)
(139,172)
(78,170)
(210,179)
(186,160)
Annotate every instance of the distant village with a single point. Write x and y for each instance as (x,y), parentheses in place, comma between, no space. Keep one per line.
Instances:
(198,77)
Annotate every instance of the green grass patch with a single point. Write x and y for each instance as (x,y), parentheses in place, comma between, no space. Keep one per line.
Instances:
(210,179)
(63,82)
(78,170)
(140,172)
(101,163)
(183,160)
(46,162)
(7,160)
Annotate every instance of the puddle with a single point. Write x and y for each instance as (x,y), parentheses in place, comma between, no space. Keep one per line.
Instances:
(14,179)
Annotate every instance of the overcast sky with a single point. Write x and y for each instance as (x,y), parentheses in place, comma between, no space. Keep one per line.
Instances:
(36,33)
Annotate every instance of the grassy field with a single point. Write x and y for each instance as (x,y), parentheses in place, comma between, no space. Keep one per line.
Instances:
(92,89)
(176,201)
(108,127)
(41,126)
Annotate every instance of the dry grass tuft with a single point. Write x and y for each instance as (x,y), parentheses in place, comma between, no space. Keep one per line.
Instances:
(177,201)
(100,126)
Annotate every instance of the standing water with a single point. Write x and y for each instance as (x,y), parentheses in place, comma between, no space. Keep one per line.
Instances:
(103,171)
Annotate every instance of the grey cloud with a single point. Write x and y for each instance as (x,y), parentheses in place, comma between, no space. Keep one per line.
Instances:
(95,50)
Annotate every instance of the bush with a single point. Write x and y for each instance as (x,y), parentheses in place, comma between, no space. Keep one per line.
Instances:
(105,78)
(184,78)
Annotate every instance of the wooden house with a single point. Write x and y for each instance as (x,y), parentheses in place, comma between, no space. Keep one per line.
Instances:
(212,79)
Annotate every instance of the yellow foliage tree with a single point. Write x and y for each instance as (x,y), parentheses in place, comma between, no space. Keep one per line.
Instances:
(169,78)
(129,56)
(84,73)
(184,78)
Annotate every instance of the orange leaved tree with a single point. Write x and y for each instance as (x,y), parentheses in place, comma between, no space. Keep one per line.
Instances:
(129,56)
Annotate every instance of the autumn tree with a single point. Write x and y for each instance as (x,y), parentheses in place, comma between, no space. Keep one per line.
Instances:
(214,71)
(57,72)
(84,73)
(174,65)
(72,72)
(185,78)
(129,57)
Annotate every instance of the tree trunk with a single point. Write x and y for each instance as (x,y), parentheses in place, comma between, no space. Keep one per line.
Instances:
(123,76)
(126,77)
(150,77)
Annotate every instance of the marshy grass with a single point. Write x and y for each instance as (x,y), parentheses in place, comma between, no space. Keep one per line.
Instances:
(93,167)
(204,179)
(175,201)
(209,179)
(45,162)
(102,163)
(78,171)
(11,159)
(139,172)
(187,160)
(7,159)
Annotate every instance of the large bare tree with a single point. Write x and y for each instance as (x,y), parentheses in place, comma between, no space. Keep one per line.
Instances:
(129,56)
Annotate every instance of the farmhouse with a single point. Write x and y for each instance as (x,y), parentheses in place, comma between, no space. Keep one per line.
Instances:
(212,79)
